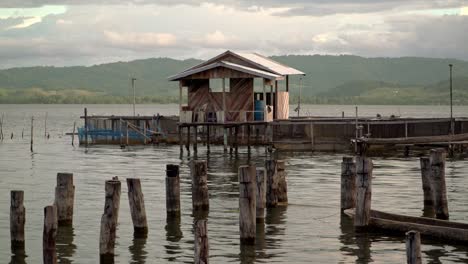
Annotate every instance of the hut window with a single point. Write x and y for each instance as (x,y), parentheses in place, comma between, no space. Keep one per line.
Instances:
(216,85)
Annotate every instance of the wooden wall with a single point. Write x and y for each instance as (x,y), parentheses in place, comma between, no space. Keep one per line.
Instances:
(239,98)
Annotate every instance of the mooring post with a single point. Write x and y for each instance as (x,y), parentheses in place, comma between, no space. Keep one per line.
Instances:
(17,220)
(271,183)
(172,191)
(439,189)
(32,133)
(195,141)
(261,195)
(348,183)
(282,183)
(364,192)
(137,207)
(64,198)
(413,247)
(201,242)
(247,204)
(426,184)
(49,254)
(200,198)
(109,221)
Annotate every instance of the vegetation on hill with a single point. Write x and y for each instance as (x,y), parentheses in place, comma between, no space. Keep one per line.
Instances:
(329,79)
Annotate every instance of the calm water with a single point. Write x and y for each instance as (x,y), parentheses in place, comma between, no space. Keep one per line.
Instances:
(308,230)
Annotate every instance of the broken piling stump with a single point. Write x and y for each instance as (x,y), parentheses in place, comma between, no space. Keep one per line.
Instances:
(49,253)
(364,192)
(17,220)
(413,247)
(64,198)
(172,191)
(348,183)
(247,204)
(109,220)
(137,208)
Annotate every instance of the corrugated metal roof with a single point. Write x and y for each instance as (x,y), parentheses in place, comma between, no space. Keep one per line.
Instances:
(261,62)
(229,65)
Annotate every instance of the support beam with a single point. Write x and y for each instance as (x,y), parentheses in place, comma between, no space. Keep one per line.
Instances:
(287,83)
(224,99)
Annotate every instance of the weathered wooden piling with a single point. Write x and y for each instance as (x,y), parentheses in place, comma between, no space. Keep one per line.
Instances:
(413,248)
(201,242)
(271,183)
(364,192)
(282,183)
(137,207)
(261,195)
(247,204)
(49,254)
(426,184)
(172,190)
(64,198)
(109,220)
(200,198)
(439,189)
(17,220)
(32,133)
(348,183)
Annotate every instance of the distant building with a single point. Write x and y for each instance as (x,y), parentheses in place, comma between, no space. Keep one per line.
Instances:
(233,73)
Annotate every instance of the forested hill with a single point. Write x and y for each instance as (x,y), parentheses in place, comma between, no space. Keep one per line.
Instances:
(330,79)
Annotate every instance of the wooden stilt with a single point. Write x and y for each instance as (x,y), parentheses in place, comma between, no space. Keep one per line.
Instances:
(172,191)
(236,139)
(49,254)
(64,198)
(348,183)
(17,220)
(247,204)
(201,242)
(413,248)
(187,144)
(208,139)
(248,138)
(137,207)
(272,183)
(181,143)
(364,192)
(225,139)
(195,141)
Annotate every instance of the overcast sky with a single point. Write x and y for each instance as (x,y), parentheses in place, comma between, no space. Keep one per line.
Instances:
(85,32)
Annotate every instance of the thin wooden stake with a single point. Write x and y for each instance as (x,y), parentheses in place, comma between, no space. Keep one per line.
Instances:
(413,247)
(32,133)
(45,125)
(201,242)
(49,254)
(64,198)
(17,220)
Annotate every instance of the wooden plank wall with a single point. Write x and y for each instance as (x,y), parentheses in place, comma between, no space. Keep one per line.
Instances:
(239,98)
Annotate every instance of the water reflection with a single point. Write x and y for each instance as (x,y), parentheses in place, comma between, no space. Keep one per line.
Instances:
(275,221)
(173,236)
(65,247)
(18,255)
(137,250)
(354,244)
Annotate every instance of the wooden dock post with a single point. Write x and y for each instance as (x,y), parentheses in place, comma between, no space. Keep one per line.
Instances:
(137,207)
(64,198)
(282,183)
(208,139)
(439,189)
(109,221)
(225,139)
(195,141)
(200,198)
(17,220)
(271,183)
(247,204)
(364,192)
(426,184)
(187,144)
(413,247)
(261,195)
(348,183)
(172,191)
(201,242)
(236,139)
(32,133)
(49,254)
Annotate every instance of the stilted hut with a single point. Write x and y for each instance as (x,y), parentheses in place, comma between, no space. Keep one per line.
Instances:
(235,101)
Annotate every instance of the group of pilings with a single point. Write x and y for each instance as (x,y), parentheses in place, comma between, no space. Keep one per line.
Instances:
(233,135)
(356,192)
